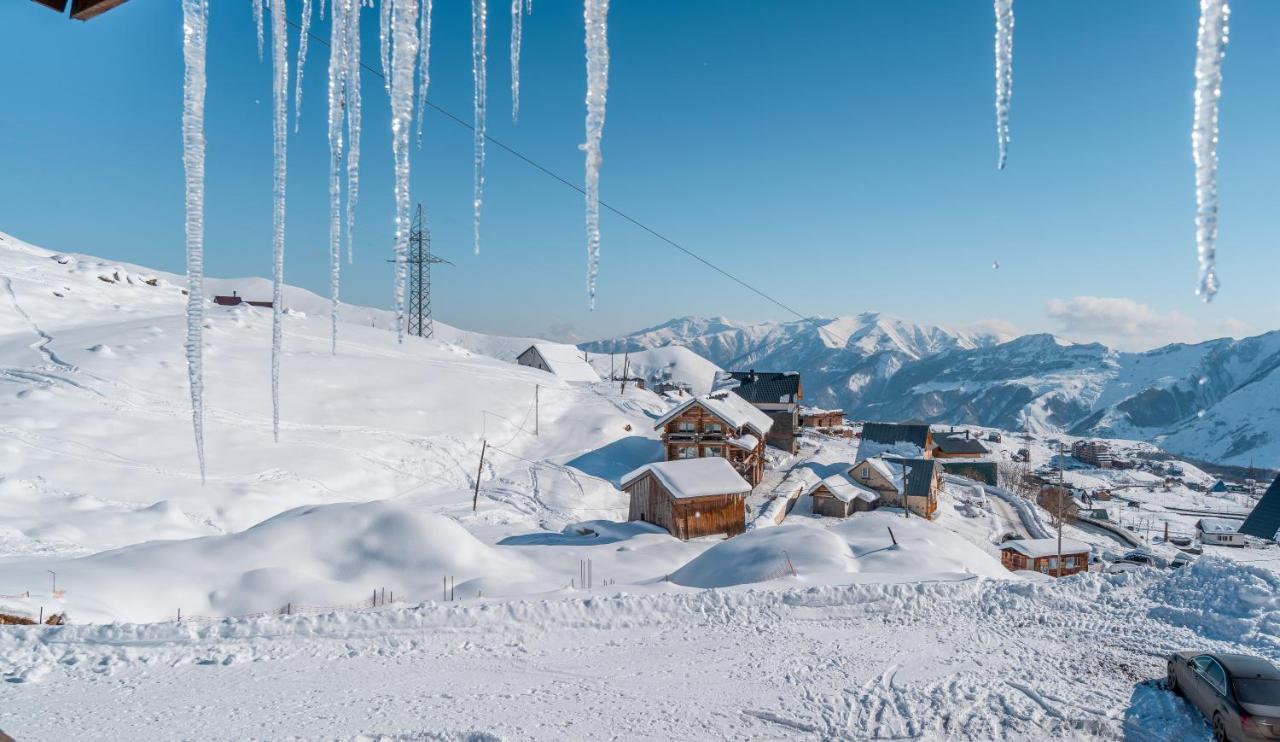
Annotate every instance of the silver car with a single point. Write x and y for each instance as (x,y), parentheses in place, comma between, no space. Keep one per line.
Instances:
(1239,695)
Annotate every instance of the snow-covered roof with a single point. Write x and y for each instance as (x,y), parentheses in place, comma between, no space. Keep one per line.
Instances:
(703,477)
(1212,525)
(746,442)
(1043,547)
(804,410)
(565,361)
(727,406)
(844,489)
(892,473)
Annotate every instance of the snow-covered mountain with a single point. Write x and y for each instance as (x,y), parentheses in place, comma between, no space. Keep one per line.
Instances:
(1218,400)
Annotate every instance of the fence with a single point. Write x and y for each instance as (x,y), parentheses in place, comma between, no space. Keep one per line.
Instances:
(378,599)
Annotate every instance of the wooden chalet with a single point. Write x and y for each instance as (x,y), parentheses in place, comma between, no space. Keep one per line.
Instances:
(920,484)
(958,445)
(878,438)
(690,498)
(819,419)
(1041,555)
(719,424)
(775,394)
(559,359)
(839,496)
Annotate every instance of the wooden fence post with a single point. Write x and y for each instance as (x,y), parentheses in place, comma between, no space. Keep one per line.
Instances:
(475,498)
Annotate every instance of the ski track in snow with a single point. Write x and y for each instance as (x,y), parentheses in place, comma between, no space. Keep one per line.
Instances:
(975,660)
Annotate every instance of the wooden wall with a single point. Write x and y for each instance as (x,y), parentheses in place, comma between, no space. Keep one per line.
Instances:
(689,517)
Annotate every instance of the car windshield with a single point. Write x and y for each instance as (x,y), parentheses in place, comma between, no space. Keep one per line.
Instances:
(1261,691)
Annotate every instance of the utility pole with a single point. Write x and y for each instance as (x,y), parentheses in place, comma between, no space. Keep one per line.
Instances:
(536,388)
(475,498)
(420,261)
(626,369)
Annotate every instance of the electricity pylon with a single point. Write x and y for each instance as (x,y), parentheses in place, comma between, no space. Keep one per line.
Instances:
(420,262)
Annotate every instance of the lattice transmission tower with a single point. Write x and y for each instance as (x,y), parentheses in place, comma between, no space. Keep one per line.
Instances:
(419,277)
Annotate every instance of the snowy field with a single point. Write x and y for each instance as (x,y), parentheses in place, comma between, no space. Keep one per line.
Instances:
(815,628)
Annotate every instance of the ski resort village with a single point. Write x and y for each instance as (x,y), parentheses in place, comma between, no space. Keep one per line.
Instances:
(432,484)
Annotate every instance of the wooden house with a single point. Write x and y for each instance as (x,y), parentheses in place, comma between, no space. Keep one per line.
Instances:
(236,300)
(839,496)
(879,476)
(912,438)
(1041,555)
(921,481)
(565,361)
(820,419)
(777,395)
(958,445)
(719,424)
(1214,532)
(689,498)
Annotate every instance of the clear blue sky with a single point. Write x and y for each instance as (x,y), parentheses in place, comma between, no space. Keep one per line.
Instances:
(839,154)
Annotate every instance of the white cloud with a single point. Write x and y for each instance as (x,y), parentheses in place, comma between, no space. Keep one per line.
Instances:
(1234,327)
(1002,329)
(1120,322)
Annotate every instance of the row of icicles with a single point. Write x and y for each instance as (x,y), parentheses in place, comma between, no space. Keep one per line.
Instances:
(1211,49)
(405,53)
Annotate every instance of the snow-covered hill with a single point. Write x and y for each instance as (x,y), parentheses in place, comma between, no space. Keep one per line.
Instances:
(1216,401)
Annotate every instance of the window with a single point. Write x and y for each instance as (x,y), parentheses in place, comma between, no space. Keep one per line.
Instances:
(684,426)
(1070,562)
(687,452)
(712,428)
(1216,676)
(1262,691)
(713,451)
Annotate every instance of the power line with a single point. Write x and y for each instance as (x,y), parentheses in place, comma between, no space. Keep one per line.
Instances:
(552,174)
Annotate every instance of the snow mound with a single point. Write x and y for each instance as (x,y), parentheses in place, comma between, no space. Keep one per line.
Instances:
(766,554)
(1221,600)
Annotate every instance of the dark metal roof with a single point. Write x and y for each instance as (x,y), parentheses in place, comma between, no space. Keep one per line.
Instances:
(980,471)
(891,433)
(1264,521)
(760,387)
(959,444)
(919,479)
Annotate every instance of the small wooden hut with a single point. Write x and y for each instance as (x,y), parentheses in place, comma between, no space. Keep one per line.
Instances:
(690,497)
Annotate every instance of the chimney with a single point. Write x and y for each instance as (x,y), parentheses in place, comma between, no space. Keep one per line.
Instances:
(966,434)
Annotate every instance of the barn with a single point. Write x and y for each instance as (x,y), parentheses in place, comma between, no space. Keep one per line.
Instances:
(564,361)
(690,497)
(839,496)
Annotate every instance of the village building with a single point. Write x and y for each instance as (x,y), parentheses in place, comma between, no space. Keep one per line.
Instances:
(1094,453)
(674,388)
(903,439)
(565,361)
(775,394)
(1264,519)
(1219,488)
(957,445)
(236,300)
(820,419)
(719,424)
(986,472)
(839,496)
(1041,555)
(1214,532)
(690,498)
(910,483)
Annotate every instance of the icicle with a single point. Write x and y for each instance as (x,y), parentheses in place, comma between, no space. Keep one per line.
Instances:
(517,14)
(338,66)
(302,62)
(424,64)
(404,57)
(280,109)
(479,13)
(353,123)
(195,32)
(596,21)
(384,40)
(1004,76)
(258,7)
(1211,48)
(322,10)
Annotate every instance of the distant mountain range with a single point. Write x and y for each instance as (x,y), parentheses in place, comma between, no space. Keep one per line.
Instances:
(1216,401)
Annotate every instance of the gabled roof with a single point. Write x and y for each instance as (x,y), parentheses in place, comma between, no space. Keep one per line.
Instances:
(1218,486)
(1043,547)
(730,408)
(564,361)
(959,443)
(761,387)
(917,434)
(920,475)
(885,469)
(1215,526)
(844,489)
(1264,521)
(685,478)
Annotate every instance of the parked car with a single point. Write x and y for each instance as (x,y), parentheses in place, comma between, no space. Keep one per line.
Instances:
(1239,695)
(1142,556)
(1181,560)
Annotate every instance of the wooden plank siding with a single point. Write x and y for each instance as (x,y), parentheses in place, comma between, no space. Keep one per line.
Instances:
(686,518)
(693,434)
(1015,561)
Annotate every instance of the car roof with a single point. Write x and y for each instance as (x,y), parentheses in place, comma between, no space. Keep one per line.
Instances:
(1246,666)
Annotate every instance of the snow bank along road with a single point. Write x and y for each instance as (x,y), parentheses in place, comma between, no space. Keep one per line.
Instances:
(979,659)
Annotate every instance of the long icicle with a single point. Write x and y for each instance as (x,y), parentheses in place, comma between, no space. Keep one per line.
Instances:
(385,10)
(302,63)
(195,33)
(404,58)
(1004,77)
(280,128)
(596,22)
(517,31)
(353,122)
(337,76)
(258,7)
(479,13)
(1211,48)
(424,64)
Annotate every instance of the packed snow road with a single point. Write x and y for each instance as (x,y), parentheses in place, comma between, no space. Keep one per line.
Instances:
(978,659)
